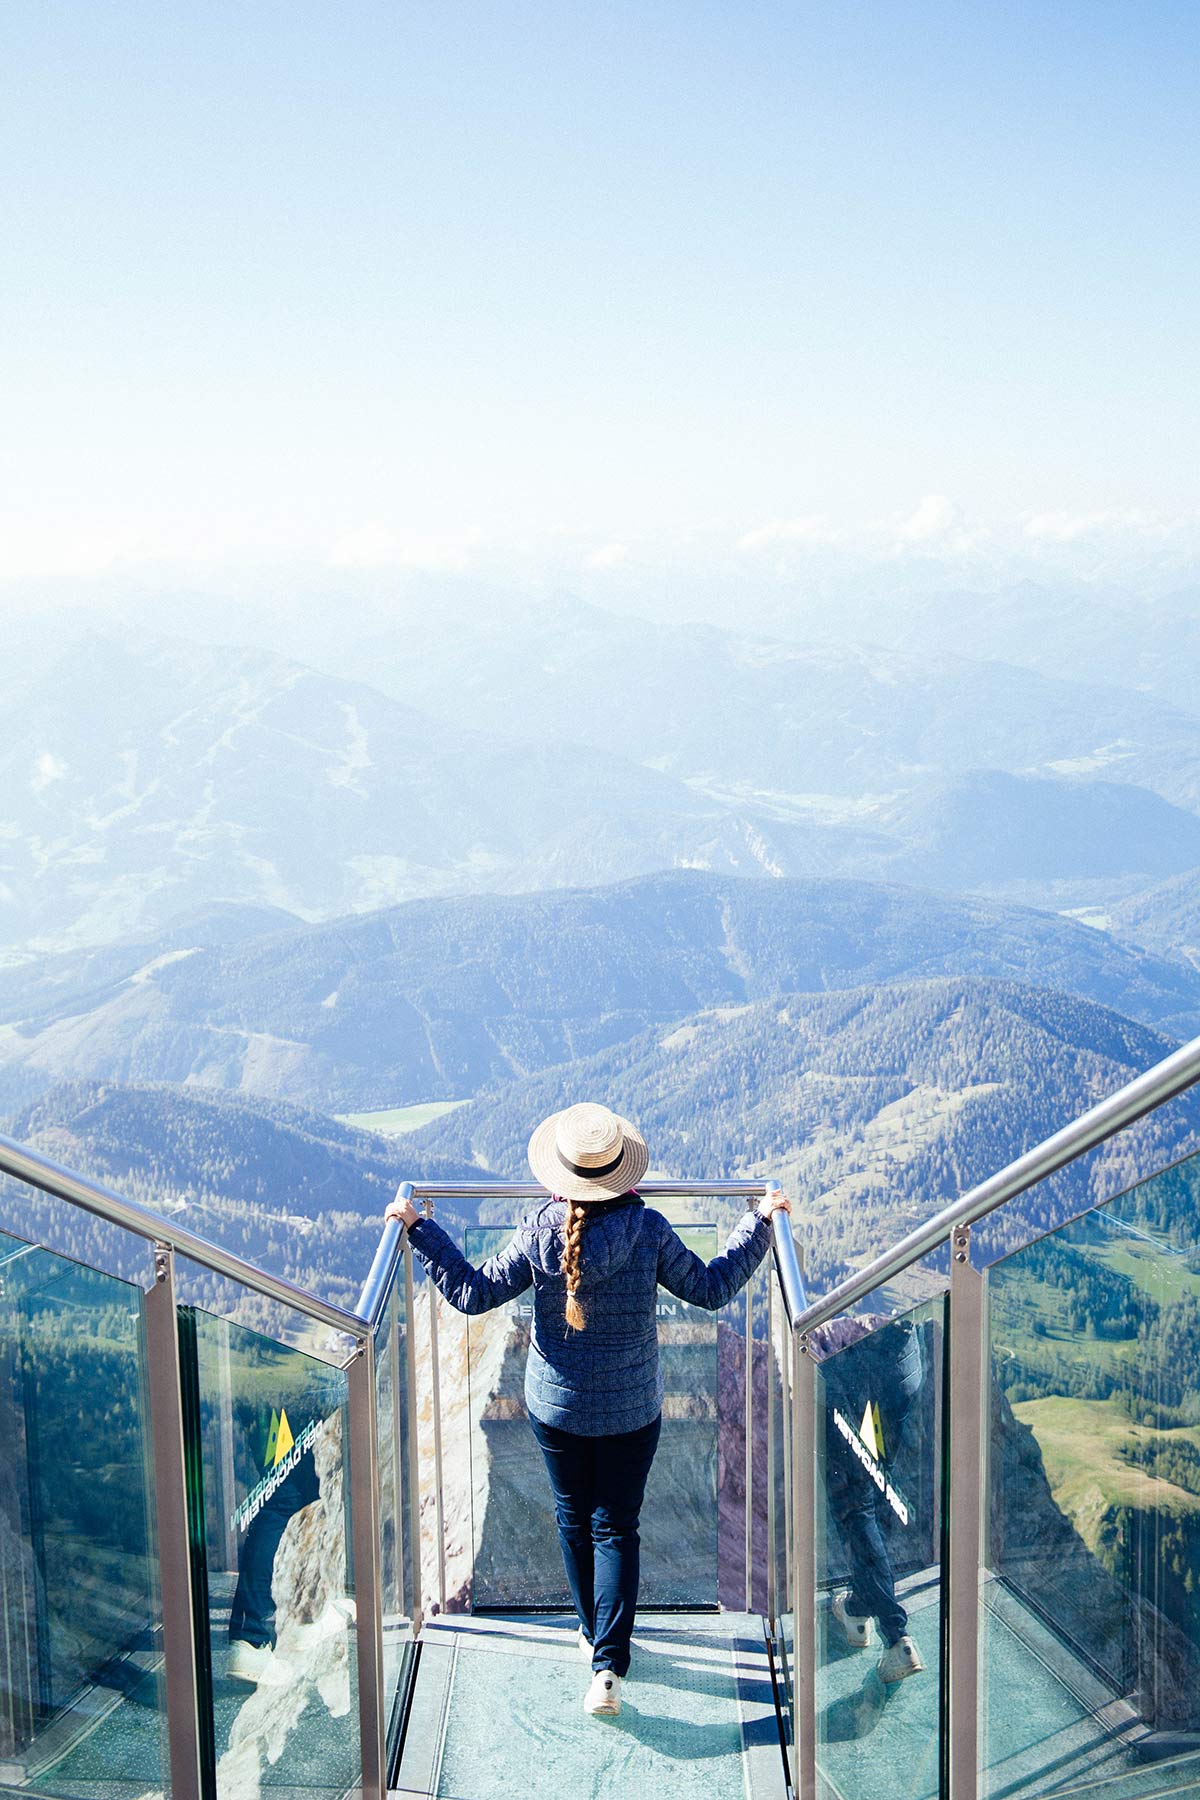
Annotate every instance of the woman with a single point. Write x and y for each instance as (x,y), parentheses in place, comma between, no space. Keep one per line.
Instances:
(595,1256)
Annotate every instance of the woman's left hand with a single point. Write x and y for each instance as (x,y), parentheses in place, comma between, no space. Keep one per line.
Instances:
(403,1209)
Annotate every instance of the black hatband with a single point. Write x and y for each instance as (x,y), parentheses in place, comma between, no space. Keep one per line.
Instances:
(583,1169)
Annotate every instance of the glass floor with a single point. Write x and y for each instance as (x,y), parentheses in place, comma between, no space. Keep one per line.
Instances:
(499,1698)
(1051,1729)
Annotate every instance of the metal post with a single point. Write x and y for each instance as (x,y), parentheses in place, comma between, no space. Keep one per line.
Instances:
(225,1461)
(436,1384)
(171,1509)
(364,1528)
(804,1572)
(965,1440)
(414,1449)
(393,1329)
(772,1552)
(749,1433)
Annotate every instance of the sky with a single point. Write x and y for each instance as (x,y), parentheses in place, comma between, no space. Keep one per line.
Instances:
(572,292)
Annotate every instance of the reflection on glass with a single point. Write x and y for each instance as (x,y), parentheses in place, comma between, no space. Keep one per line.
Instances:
(878,1467)
(1093,1550)
(275,1505)
(516,1557)
(81,1692)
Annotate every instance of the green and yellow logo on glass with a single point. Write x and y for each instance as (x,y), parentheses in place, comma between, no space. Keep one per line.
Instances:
(279,1439)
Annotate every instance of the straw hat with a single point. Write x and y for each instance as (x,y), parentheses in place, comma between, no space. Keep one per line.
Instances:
(588,1153)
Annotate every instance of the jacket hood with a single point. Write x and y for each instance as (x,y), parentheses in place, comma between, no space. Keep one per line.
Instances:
(609,1236)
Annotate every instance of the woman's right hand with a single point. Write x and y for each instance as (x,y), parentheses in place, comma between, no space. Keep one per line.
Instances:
(773,1201)
(402,1208)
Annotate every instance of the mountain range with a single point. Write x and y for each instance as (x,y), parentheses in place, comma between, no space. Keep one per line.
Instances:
(1098,632)
(790,717)
(142,779)
(145,777)
(435,999)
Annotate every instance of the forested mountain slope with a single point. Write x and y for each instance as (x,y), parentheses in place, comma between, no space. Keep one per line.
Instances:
(875,1106)
(296,1192)
(1164,919)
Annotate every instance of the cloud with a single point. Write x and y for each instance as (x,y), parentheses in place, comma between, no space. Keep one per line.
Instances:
(608,556)
(46,768)
(933,518)
(812,528)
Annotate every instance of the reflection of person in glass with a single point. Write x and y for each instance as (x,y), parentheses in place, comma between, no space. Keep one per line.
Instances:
(595,1256)
(289,1482)
(869,1392)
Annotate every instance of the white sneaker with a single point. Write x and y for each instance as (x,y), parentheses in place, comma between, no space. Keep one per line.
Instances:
(899,1660)
(857,1631)
(603,1698)
(584,1648)
(257,1664)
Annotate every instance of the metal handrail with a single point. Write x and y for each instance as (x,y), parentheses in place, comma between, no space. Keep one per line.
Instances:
(381,1277)
(79,1190)
(1165,1081)
(787,1267)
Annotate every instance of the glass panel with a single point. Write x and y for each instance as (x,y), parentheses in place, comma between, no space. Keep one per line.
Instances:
(275,1592)
(516,1560)
(1092,1642)
(878,1469)
(82,1706)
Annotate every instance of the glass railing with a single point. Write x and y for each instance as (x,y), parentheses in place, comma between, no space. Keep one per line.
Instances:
(186,1560)
(269,1471)
(1092,1553)
(1077,1627)
(82,1700)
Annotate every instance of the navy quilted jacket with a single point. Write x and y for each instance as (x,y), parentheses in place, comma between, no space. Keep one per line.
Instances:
(605,1378)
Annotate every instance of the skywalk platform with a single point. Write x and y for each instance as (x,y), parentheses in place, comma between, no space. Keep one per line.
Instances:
(498,1698)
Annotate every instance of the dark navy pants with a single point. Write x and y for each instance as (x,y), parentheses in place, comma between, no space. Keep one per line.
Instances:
(253,1613)
(598,1485)
(885,1370)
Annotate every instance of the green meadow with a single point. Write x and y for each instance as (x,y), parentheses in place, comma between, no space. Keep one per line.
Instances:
(396,1121)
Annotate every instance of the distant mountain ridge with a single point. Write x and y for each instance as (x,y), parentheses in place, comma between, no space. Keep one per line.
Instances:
(142,776)
(437,998)
(783,717)
(989,830)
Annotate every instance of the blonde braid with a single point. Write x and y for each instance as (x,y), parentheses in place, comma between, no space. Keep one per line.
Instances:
(572,1260)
